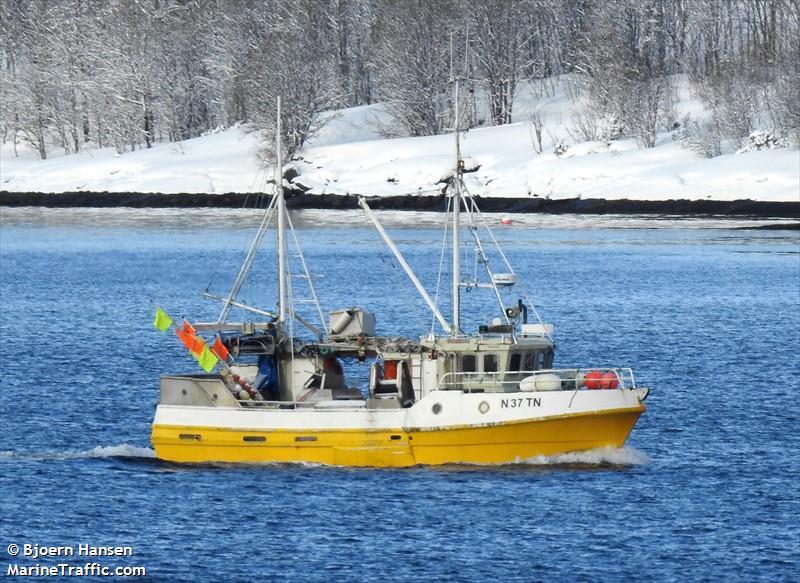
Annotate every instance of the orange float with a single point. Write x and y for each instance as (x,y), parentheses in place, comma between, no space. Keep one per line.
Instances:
(592,379)
(609,380)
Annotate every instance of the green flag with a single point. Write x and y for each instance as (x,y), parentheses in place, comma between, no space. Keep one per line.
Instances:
(162,320)
(207,359)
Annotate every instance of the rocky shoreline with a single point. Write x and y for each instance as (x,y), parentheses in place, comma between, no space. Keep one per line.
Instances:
(748,208)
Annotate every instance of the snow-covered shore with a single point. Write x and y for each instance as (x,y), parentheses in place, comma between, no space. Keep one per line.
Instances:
(349,157)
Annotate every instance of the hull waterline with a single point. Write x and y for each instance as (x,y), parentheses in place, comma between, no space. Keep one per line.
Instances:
(486,444)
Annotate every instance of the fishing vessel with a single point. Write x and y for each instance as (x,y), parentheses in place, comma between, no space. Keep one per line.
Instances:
(277,387)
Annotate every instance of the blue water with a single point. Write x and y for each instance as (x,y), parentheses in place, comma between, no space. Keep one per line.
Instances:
(706,488)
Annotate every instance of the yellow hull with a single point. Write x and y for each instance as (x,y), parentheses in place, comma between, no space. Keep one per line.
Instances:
(487,444)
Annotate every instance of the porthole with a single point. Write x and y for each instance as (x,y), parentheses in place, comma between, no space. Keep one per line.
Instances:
(483,407)
(437,408)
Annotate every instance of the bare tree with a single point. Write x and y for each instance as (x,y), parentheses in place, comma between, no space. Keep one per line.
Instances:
(500,42)
(28,85)
(289,55)
(351,26)
(537,125)
(625,81)
(132,73)
(412,62)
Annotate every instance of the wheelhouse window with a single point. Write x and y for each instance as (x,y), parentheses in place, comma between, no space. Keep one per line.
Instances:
(540,361)
(530,361)
(468,363)
(515,362)
(548,360)
(490,362)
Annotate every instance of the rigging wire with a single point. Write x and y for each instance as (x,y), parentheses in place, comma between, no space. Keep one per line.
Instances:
(258,186)
(290,298)
(507,263)
(441,268)
(249,258)
(484,259)
(306,272)
(394,272)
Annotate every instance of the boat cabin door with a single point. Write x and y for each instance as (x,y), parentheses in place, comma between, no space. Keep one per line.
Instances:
(429,377)
(450,371)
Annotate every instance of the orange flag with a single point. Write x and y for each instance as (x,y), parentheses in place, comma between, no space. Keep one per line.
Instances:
(185,337)
(194,343)
(189,328)
(197,346)
(219,349)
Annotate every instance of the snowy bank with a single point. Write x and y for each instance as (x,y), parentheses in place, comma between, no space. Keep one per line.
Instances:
(348,157)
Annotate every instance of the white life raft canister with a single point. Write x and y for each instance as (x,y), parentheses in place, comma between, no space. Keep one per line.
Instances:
(541,382)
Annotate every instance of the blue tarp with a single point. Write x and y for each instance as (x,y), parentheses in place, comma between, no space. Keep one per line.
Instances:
(267,378)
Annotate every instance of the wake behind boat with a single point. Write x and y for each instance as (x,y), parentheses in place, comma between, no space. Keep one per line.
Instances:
(457,394)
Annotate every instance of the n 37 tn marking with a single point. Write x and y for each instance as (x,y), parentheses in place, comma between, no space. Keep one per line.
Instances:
(520,402)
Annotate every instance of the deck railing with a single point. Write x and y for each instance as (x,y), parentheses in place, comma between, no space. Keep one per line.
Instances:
(565,379)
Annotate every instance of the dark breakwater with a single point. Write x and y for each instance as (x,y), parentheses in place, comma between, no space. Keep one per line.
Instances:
(298,200)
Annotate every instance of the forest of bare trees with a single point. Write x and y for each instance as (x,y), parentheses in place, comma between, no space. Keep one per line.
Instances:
(130,73)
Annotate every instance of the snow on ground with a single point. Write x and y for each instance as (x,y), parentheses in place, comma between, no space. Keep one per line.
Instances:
(349,156)
(220,162)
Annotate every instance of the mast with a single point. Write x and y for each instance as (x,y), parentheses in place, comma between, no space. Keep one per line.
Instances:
(456,327)
(281,209)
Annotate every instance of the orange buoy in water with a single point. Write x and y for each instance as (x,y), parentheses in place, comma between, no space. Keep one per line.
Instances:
(609,380)
(592,379)
(506,221)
